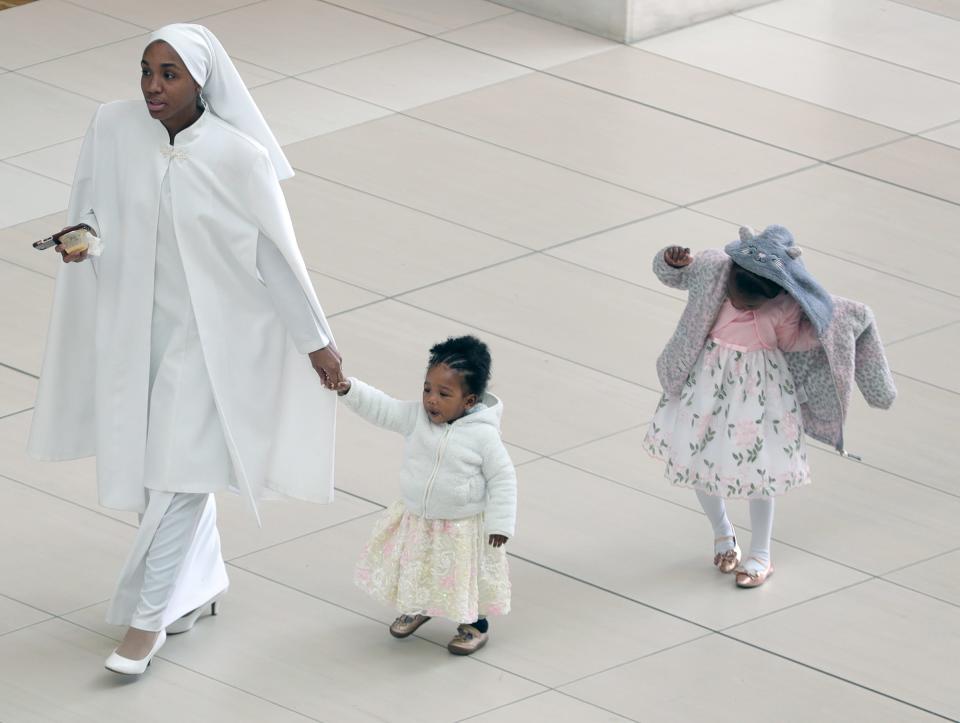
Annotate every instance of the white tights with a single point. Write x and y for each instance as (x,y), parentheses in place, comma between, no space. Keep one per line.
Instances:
(761,523)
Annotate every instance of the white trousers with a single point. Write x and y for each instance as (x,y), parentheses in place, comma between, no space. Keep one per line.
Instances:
(175,565)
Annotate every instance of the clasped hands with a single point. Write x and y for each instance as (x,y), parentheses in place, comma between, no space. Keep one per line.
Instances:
(327,363)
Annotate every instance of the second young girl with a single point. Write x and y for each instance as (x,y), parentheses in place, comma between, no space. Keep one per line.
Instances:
(439,550)
(762,355)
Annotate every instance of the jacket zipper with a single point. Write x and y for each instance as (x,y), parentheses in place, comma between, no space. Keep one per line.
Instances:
(436,467)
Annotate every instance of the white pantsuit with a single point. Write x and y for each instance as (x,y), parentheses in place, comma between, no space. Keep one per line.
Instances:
(176,565)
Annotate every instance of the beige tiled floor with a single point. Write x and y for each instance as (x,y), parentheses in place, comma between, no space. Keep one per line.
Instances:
(463,167)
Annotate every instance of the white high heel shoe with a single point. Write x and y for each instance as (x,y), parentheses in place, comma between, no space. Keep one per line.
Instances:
(125,666)
(186,623)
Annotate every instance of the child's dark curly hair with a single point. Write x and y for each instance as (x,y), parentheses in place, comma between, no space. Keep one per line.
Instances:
(467,355)
(750,284)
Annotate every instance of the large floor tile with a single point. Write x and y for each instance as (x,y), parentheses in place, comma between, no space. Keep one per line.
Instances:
(856,218)
(66,557)
(950,134)
(25,195)
(379,245)
(946,8)
(469,182)
(54,672)
(709,678)
(914,163)
(15,615)
(916,438)
(58,162)
(882,29)
(74,480)
(26,298)
(861,517)
(621,458)
(154,15)
(545,315)
(939,577)
(52,29)
(525,642)
(314,34)
(548,706)
(542,395)
(902,307)
(529,41)
(338,296)
(17,391)
(928,357)
(16,243)
(650,550)
(851,513)
(330,663)
(282,520)
(726,103)
(607,137)
(798,66)
(427,16)
(297,110)
(414,74)
(41,116)
(112,72)
(844,633)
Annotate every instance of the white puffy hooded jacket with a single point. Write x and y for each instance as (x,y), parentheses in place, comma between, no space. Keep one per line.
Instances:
(450,471)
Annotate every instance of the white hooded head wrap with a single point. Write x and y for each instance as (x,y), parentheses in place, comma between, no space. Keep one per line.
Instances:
(222,88)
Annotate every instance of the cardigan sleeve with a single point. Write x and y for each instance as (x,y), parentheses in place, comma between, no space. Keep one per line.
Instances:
(871,369)
(677,278)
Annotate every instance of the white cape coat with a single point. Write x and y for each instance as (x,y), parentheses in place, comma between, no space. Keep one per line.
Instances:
(277,418)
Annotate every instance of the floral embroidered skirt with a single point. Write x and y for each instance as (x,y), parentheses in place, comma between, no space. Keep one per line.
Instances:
(440,568)
(735,429)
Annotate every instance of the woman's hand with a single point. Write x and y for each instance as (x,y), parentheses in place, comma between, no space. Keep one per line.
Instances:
(677,257)
(343,387)
(498,540)
(70,258)
(327,362)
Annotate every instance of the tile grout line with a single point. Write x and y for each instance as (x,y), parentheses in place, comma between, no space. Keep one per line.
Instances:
(21,371)
(843,48)
(182,666)
(299,538)
(15,156)
(399,204)
(924,10)
(64,500)
(723,634)
(380,622)
(764,88)
(921,562)
(14,414)
(922,333)
(39,175)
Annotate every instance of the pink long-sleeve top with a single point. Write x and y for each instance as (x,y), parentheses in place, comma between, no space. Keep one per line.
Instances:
(778,324)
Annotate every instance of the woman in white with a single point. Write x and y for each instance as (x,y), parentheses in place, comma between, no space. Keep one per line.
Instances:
(186,356)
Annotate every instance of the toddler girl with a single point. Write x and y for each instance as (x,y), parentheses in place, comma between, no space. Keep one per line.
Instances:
(439,550)
(731,421)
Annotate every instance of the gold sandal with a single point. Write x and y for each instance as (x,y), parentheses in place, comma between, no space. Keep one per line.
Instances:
(728,560)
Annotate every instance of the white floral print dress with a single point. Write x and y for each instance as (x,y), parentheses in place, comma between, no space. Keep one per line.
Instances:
(735,430)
